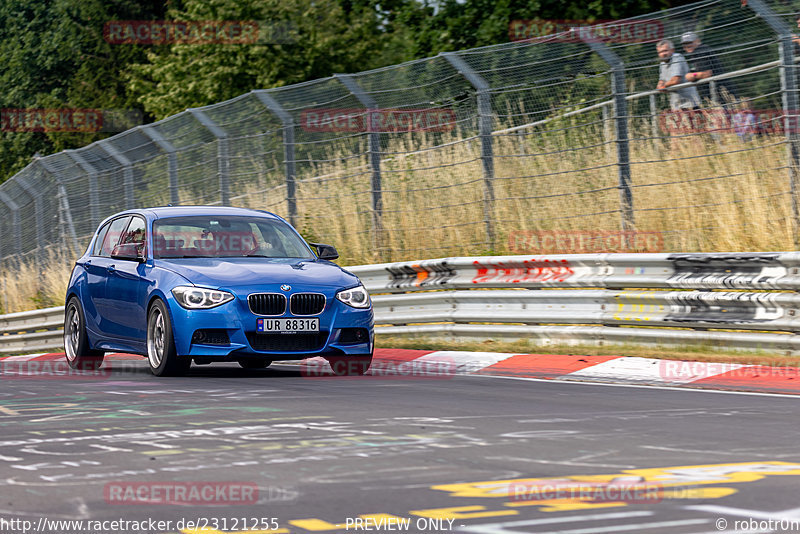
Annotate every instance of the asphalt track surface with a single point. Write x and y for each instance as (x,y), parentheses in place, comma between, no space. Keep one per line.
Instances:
(317,454)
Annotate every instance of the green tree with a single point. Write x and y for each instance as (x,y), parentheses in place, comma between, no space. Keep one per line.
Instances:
(459,24)
(54,56)
(324,37)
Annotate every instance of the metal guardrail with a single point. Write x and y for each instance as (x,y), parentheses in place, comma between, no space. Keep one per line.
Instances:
(740,301)
(32,331)
(736,300)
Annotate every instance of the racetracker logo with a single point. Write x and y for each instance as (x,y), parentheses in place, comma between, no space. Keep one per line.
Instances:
(637,492)
(378,120)
(583,242)
(441,368)
(53,370)
(207,243)
(181,493)
(576,31)
(686,371)
(68,120)
(160,32)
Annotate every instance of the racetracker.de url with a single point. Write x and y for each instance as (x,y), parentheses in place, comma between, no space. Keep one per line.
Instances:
(45,525)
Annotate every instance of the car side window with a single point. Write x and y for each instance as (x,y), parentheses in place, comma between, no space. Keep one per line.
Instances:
(135,233)
(99,241)
(112,236)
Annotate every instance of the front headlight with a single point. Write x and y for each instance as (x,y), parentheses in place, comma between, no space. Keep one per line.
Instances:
(197,298)
(357,297)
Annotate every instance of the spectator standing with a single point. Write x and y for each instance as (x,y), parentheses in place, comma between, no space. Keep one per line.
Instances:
(673,71)
(704,63)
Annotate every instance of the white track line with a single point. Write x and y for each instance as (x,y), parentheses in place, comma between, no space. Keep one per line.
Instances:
(684,389)
(22,358)
(651,370)
(499,528)
(465,362)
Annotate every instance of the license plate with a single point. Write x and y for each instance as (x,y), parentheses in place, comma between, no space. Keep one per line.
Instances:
(288,326)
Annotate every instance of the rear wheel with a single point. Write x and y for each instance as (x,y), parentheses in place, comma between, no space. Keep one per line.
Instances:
(350,365)
(76,342)
(254,364)
(161,353)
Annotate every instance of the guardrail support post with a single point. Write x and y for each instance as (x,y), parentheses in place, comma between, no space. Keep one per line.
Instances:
(65,212)
(127,170)
(485,127)
(91,173)
(223,155)
(288,150)
(790,103)
(374,160)
(14,207)
(172,160)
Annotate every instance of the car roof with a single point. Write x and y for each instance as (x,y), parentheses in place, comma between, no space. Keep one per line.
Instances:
(188,211)
(185,211)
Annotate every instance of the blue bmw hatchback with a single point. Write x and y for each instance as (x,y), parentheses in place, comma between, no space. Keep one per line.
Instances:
(213,284)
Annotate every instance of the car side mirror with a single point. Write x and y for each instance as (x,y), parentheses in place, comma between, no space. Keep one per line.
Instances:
(325,252)
(129,251)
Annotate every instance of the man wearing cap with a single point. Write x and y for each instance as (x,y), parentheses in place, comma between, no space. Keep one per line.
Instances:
(672,71)
(703,63)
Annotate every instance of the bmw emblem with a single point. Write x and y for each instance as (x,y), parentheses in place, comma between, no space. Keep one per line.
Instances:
(285,287)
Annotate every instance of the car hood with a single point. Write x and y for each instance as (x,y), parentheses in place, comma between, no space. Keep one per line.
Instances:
(233,272)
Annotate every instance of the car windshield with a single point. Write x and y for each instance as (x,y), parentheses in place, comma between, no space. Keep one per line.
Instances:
(225,237)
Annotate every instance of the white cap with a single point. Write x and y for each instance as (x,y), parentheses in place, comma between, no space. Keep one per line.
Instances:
(688,37)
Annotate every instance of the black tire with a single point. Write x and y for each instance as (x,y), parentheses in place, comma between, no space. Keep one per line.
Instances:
(350,365)
(76,342)
(161,353)
(254,363)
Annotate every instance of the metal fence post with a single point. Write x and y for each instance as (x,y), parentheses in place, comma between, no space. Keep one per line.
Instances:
(374,157)
(653,118)
(620,127)
(607,129)
(223,156)
(63,203)
(91,173)
(5,199)
(485,127)
(127,170)
(790,103)
(172,160)
(38,210)
(288,150)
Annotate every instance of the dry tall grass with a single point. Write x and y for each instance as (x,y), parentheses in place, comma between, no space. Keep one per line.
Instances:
(704,193)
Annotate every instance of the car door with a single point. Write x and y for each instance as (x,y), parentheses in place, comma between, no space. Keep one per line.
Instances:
(126,287)
(97,271)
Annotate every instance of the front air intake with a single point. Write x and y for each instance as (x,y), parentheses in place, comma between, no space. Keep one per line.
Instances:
(267,303)
(307,303)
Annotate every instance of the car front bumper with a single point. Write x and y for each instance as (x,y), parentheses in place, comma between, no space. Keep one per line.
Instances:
(235,319)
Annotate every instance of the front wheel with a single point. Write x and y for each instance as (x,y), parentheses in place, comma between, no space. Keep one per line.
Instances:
(350,365)
(161,353)
(76,342)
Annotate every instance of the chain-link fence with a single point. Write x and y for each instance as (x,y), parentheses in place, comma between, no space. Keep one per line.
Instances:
(463,153)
